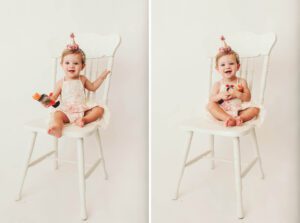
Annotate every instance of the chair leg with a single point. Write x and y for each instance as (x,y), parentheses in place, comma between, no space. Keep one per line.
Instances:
(212,149)
(55,144)
(101,153)
(256,151)
(81,175)
(26,165)
(188,146)
(238,178)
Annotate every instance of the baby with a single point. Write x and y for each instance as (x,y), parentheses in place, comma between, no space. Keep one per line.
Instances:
(230,97)
(73,107)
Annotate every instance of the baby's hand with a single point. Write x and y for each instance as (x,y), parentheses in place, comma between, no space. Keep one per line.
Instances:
(235,93)
(225,95)
(240,88)
(104,74)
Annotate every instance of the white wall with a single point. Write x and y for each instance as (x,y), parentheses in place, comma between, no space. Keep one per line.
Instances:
(179,84)
(26,68)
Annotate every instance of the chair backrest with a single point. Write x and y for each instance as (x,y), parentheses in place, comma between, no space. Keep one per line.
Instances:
(99,50)
(254,51)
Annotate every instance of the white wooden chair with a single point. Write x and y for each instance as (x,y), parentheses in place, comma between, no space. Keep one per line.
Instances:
(254,51)
(100,51)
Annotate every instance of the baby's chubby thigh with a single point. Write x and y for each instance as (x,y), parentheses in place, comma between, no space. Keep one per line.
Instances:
(60,116)
(96,111)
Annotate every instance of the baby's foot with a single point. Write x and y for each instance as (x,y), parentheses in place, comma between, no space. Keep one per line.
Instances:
(230,122)
(55,130)
(80,122)
(239,121)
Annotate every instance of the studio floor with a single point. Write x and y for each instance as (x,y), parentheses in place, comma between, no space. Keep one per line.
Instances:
(52,195)
(209,195)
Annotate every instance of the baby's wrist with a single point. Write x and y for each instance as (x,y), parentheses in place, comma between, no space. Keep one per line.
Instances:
(102,77)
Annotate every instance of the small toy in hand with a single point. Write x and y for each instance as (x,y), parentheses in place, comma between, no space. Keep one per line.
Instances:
(230,86)
(46,100)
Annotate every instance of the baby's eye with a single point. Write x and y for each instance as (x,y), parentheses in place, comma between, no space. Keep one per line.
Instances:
(222,64)
(67,63)
(231,63)
(76,63)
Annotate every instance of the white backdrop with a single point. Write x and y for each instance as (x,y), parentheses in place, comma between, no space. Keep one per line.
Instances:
(179,89)
(26,26)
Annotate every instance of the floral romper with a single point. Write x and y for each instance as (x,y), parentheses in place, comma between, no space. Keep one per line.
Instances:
(73,101)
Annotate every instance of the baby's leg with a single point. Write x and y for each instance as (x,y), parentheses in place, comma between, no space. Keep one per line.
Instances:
(248,114)
(239,121)
(56,126)
(90,116)
(216,111)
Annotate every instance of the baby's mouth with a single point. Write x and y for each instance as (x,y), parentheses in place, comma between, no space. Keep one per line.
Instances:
(71,71)
(228,72)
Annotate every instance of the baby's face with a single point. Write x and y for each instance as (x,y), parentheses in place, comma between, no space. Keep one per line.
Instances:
(72,65)
(227,66)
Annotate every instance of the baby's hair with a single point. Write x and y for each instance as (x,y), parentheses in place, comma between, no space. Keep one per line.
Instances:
(226,50)
(231,52)
(73,51)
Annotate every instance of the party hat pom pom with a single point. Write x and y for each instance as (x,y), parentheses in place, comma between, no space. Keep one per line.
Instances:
(222,38)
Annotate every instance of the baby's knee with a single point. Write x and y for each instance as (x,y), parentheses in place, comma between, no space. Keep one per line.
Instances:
(256,111)
(99,110)
(210,106)
(59,114)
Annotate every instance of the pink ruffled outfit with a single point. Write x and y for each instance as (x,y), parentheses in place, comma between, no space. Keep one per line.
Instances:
(233,106)
(73,101)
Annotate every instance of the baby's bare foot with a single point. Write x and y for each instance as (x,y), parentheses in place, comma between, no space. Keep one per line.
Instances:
(230,122)
(80,122)
(55,130)
(239,121)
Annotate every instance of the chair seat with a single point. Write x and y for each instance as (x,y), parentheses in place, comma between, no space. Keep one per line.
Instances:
(208,125)
(70,130)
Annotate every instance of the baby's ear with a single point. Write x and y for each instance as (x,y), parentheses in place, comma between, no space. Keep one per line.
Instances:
(238,66)
(83,66)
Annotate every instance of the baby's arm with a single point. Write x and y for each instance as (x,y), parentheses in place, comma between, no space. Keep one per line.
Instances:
(57,90)
(245,94)
(216,95)
(93,86)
